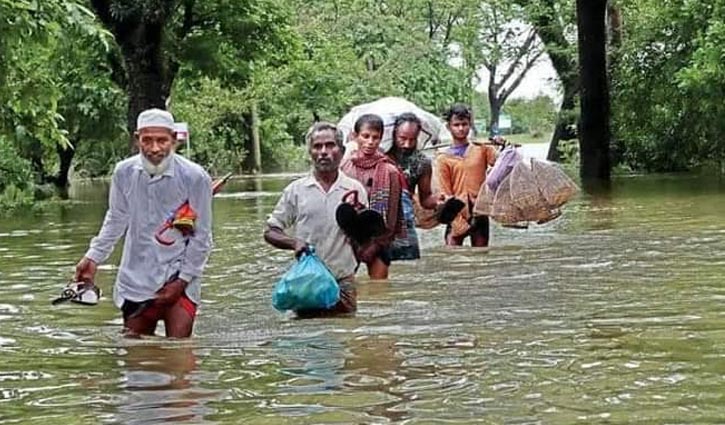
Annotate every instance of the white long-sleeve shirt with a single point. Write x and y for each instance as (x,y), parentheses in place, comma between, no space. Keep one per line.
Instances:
(138,204)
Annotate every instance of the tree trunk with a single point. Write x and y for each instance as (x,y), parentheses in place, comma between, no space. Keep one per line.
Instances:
(494,106)
(140,37)
(495,116)
(246,123)
(565,121)
(594,131)
(256,146)
(148,82)
(614,20)
(562,58)
(614,35)
(65,158)
(33,150)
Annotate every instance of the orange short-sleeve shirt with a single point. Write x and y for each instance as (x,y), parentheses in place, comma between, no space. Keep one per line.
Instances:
(462,177)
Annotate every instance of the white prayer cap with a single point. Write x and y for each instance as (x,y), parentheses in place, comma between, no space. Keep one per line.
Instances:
(155,118)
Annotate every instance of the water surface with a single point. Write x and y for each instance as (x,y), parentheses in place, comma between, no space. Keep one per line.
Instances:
(611,314)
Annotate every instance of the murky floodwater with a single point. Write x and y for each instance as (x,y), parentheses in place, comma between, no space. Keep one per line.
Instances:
(611,314)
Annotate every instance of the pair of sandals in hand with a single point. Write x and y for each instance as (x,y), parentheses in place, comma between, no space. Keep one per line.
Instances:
(362,224)
(85,293)
(357,222)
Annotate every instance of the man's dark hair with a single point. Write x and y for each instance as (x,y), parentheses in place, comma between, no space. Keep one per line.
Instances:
(371,120)
(458,110)
(404,118)
(321,126)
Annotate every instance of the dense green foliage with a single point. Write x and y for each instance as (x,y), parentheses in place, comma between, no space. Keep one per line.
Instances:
(64,85)
(44,86)
(535,116)
(15,178)
(668,84)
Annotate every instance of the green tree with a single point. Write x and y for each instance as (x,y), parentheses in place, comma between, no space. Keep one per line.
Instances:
(535,116)
(32,95)
(667,85)
(163,38)
(16,181)
(354,51)
(555,23)
(494,34)
(91,104)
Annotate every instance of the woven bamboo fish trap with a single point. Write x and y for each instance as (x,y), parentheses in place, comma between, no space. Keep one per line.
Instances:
(484,201)
(503,209)
(526,198)
(555,186)
(534,191)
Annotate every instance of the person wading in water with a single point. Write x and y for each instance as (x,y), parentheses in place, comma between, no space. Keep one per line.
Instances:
(309,205)
(385,185)
(461,170)
(155,281)
(418,172)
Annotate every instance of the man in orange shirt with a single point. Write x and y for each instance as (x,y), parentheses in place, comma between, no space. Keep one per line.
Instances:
(461,170)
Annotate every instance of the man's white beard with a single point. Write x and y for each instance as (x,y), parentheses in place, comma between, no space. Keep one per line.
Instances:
(156,169)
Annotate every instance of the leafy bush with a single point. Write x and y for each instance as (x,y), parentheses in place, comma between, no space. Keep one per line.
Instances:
(667,85)
(217,127)
(16,179)
(13,198)
(14,170)
(569,151)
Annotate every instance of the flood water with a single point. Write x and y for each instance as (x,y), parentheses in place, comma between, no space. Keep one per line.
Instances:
(613,313)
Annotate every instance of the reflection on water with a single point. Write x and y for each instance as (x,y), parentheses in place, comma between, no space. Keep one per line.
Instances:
(611,314)
(156,367)
(158,384)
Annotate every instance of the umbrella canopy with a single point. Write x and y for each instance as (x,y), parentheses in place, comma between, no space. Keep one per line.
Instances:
(388,108)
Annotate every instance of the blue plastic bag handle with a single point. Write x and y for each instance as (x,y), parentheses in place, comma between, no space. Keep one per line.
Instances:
(310,250)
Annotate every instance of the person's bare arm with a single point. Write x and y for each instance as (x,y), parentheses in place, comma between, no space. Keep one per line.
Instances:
(279,239)
(428,199)
(282,217)
(394,204)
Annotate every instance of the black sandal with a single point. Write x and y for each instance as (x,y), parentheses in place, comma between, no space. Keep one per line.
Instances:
(450,209)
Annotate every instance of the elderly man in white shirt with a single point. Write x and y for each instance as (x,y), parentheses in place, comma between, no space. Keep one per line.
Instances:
(309,205)
(157,279)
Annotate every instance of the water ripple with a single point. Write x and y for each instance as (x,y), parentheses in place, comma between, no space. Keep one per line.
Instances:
(611,314)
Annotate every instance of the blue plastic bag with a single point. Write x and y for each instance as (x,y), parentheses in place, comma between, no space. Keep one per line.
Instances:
(307,285)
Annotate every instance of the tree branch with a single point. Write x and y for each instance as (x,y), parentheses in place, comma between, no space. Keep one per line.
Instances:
(187,22)
(431,28)
(452,17)
(551,33)
(523,51)
(492,86)
(507,92)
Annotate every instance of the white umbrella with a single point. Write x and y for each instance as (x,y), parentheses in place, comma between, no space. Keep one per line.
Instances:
(389,108)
